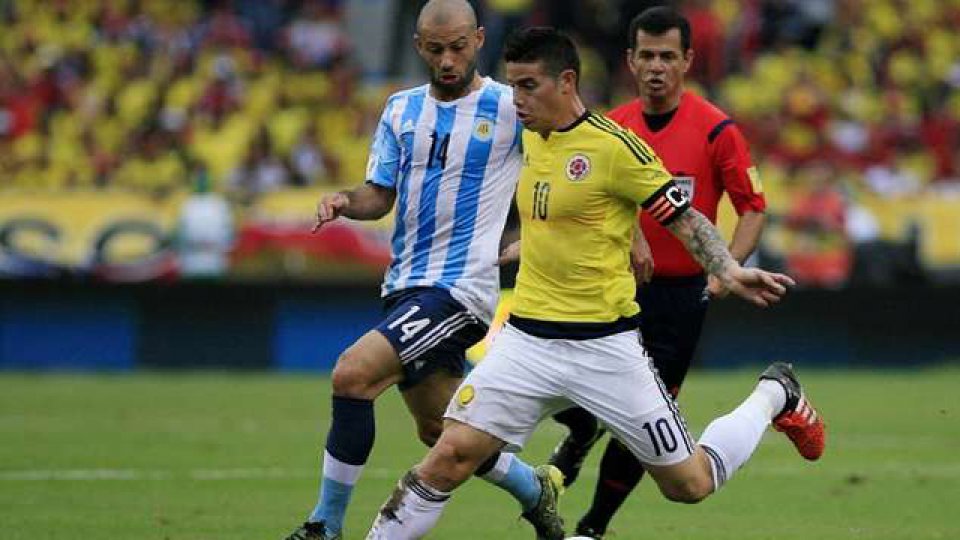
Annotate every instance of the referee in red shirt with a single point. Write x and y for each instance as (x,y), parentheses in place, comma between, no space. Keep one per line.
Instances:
(706,154)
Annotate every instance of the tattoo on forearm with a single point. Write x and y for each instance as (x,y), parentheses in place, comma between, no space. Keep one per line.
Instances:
(702,241)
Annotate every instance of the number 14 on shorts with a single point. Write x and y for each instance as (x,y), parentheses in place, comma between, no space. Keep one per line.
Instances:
(409,328)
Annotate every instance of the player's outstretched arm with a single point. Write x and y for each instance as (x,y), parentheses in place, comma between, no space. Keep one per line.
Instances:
(366,202)
(704,244)
(746,236)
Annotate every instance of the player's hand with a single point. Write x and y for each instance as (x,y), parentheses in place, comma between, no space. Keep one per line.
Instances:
(641,259)
(716,288)
(758,286)
(329,208)
(510,254)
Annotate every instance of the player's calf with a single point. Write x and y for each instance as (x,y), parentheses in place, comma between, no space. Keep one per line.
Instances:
(454,458)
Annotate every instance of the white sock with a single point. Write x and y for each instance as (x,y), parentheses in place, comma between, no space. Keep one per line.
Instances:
(731,439)
(410,512)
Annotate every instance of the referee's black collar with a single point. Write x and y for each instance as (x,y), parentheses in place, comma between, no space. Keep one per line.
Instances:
(577,122)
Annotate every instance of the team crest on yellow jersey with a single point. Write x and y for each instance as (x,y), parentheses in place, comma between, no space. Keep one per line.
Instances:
(466,395)
(578,167)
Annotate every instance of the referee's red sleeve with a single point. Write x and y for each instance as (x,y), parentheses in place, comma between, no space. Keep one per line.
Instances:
(732,157)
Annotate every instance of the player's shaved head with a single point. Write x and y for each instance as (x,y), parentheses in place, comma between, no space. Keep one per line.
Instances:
(448,39)
(447,13)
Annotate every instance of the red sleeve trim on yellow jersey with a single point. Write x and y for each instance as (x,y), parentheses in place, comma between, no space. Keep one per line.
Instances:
(667,203)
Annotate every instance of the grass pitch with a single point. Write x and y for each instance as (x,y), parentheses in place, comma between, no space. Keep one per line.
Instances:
(227,456)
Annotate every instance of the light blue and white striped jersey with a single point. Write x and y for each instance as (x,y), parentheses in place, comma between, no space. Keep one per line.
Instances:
(454,166)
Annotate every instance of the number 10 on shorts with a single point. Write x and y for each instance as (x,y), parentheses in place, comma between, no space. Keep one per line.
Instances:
(661,435)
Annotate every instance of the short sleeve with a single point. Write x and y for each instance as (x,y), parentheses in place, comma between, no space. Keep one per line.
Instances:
(731,156)
(638,175)
(383,164)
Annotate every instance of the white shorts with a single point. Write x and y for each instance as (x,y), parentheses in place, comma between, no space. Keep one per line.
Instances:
(525,378)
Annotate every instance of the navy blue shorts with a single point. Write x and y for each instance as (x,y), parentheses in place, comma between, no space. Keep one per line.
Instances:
(430,330)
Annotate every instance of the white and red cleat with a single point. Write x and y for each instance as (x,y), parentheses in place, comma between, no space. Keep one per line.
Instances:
(799,420)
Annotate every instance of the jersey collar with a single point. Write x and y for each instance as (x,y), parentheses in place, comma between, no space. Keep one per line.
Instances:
(577,122)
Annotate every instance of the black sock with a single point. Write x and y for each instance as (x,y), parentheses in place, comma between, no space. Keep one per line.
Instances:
(583,425)
(352,430)
(620,472)
(487,465)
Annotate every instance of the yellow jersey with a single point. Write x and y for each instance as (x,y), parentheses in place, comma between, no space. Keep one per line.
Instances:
(578,194)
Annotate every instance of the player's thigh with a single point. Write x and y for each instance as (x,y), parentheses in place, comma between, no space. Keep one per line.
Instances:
(516,385)
(427,401)
(430,332)
(616,382)
(366,368)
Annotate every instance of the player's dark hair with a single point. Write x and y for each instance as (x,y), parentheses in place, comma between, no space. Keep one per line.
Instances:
(659,20)
(543,43)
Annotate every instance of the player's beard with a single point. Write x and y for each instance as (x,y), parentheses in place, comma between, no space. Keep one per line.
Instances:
(456,89)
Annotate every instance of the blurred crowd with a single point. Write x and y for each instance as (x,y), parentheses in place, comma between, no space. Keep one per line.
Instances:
(870,86)
(843,101)
(851,108)
(260,94)
(247,95)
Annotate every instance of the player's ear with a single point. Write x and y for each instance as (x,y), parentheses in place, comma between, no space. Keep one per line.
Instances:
(631,63)
(568,81)
(481,36)
(687,60)
(418,45)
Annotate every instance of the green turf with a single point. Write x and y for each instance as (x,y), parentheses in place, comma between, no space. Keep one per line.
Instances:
(179,457)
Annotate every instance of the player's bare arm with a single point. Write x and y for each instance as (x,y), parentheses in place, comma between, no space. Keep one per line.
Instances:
(366,202)
(704,244)
(746,236)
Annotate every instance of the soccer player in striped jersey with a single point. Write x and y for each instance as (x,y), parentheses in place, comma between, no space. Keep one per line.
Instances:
(447,155)
(572,337)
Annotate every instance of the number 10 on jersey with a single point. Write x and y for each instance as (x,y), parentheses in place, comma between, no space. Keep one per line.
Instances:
(541,196)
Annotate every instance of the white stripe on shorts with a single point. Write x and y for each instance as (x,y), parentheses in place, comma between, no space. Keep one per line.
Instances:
(437,334)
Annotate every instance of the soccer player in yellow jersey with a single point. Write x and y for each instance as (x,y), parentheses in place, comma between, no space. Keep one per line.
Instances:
(572,336)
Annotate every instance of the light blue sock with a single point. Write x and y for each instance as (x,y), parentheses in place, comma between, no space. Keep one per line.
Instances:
(334,498)
(335,491)
(517,478)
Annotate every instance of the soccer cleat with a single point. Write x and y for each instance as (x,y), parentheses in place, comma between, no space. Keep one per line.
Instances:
(799,420)
(568,456)
(544,516)
(313,531)
(588,532)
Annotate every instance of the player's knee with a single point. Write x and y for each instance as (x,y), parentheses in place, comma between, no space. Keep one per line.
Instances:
(350,379)
(690,491)
(456,462)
